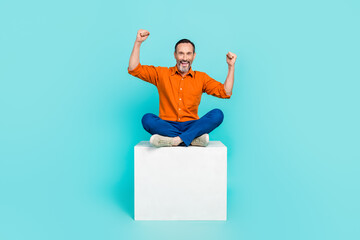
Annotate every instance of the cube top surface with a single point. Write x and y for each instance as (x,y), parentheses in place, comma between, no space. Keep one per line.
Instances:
(212,144)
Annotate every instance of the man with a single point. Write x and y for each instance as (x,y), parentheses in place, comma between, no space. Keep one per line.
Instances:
(180,89)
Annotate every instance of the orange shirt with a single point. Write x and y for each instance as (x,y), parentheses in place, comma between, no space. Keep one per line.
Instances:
(179,96)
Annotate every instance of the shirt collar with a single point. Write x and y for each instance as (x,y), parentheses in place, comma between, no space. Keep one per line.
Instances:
(176,70)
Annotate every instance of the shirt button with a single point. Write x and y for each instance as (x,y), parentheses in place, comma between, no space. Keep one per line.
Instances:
(182,79)
(180,99)
(179,108)
(179,118)
(180,88)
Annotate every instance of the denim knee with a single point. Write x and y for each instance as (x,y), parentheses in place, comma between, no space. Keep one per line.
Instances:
(146,119)
(217,116)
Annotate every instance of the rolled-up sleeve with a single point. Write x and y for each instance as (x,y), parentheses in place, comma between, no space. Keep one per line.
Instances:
(147,73)
(214,88)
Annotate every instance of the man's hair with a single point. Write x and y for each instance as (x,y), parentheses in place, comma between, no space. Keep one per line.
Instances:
(185,41)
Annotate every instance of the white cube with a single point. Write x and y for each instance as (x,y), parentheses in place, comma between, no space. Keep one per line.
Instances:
(180,183)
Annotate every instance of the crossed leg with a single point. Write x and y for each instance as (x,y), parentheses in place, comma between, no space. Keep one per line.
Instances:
(155,125)
(183,131)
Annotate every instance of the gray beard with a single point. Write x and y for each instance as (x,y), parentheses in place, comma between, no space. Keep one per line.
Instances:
(184,69)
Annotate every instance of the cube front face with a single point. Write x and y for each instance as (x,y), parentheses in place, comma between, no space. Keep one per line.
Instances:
(180,183)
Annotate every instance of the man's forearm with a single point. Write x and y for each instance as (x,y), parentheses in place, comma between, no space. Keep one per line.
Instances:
(229,82)
(135,56)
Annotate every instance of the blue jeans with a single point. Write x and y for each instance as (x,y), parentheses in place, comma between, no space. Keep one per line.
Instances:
(188,130)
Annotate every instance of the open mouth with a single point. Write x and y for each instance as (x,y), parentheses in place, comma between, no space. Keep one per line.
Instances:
(184,64)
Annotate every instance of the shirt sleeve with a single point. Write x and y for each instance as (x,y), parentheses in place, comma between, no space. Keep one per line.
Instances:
(214,88)
(146,73)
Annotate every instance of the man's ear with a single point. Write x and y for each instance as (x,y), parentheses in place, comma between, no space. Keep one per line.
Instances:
(175,55)
(194,56)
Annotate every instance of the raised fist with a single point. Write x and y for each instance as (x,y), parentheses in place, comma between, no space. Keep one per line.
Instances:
(142,35)
(231,58)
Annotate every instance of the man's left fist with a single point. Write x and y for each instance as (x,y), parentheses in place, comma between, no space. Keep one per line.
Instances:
(231,58)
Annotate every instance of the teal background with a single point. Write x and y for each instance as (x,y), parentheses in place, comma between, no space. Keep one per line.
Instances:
(70,115)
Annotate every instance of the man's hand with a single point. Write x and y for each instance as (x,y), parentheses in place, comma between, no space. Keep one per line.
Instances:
(142,35)
(231,58)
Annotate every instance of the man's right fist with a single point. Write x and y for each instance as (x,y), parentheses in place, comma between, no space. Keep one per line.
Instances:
(142,35)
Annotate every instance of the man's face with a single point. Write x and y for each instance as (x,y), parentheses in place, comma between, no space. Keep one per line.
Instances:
(184,56)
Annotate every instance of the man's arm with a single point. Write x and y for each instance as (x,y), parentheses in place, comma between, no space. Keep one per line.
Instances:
(135,54)
(229,82)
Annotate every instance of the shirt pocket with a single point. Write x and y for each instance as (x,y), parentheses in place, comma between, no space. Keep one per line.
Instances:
(192,99)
